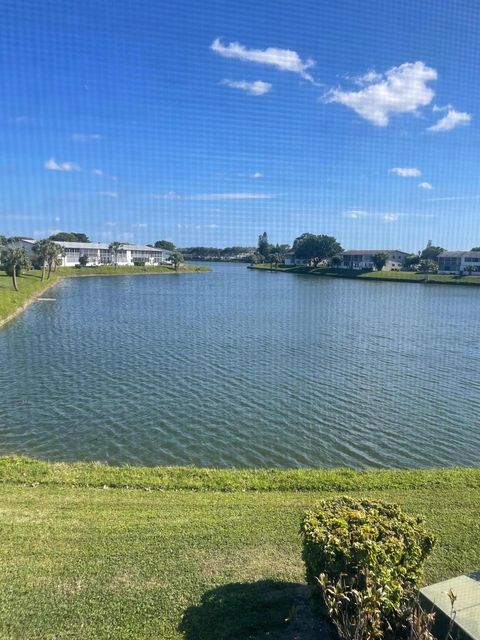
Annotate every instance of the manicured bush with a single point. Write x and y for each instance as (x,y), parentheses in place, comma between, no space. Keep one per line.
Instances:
(363,561)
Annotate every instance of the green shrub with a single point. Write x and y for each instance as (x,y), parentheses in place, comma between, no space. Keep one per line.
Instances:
(363,561)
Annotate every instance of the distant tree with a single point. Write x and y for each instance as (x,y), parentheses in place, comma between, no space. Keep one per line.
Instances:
(83,260)
(336,260)
(380,260)
(41,250)
(316,248)
(411,261)
(427,266)
(115,247)
(54,257)
(264,248)
(470,269)
(475,249)
(177,258)
(275,258)
(431,252)
(3,241)
(14,260)
(69,236)
(164,244)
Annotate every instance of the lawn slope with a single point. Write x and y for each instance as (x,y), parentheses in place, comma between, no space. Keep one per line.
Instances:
(384,276)
(217,556)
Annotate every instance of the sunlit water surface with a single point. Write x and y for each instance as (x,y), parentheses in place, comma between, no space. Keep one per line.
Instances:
(244,368)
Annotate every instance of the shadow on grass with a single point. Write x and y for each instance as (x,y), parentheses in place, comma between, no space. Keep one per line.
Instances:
(254,610)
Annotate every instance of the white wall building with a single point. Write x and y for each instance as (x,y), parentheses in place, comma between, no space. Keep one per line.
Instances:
(98,253)
(363,259)
(456,262)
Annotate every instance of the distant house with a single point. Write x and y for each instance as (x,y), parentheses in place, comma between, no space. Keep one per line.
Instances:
(363,259)
(291,261)
(98,253)
(456,262)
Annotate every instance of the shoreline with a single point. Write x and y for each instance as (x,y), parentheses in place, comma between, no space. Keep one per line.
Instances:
(24,470)
(60,275)
(381,276)
(23,307)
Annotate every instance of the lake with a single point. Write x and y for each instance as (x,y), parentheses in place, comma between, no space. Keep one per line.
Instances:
(244,368)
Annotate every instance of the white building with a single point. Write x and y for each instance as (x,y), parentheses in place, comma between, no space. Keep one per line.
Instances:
(358,259)
(99,253)
(457,262)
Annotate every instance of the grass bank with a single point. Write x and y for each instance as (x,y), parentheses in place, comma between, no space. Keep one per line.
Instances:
(91,551)
(384,276)
(31,286)
(69,272)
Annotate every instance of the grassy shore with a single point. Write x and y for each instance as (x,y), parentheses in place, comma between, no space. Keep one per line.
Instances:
(31,286)
(389,276)
(90,551)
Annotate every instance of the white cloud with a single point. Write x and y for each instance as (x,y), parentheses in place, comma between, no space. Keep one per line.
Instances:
(391,217)
(401,89)
(109,223)
(406,172)
(198,226)
(257,175)
(451,120)
(257,88)
(97,172)
(139,225)
(283,59)
(425,185)
(436,108)
(57,219)
(53,165)
(172,195)
(86,137)
(110,194)
(355,214)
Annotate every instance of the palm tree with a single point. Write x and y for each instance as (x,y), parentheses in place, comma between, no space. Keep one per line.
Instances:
(42,248)
(177,258)
(115,247)
(14,260)
(54,256)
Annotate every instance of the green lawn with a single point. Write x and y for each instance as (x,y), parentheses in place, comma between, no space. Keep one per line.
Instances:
(108,270)
(190,553)
(392,276)
(29,285)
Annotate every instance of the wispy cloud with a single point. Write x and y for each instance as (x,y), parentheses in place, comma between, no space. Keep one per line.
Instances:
(282,59)
(389,216)
(53,165)
(453,198)
(86,137)
(139,225)
(425,185)
(97,172)
(198,226)
(257,175)
(110,223)
(450,121)
(402,89)
(257,88)
(406,172)
(354,214)
(172,195)
(110,194)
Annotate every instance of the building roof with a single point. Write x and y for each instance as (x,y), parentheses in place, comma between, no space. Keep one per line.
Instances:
(371,252)
(105,246)
(459,254)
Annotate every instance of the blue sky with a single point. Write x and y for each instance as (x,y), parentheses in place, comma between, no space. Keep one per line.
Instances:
(209,122)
